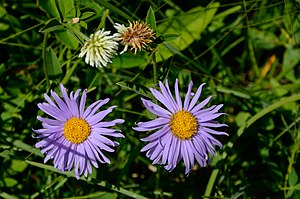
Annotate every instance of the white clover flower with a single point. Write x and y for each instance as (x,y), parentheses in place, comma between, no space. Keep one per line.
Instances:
(100,48)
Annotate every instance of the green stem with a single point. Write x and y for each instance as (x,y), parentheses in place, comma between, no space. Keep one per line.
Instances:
(70,71)
(154,68)
(291,162)
(21,32)
(44,58)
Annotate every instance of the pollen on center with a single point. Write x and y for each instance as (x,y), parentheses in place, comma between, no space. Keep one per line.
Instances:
(76,130)
(183,124)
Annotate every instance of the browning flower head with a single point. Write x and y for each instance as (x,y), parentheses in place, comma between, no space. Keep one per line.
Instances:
(138,35)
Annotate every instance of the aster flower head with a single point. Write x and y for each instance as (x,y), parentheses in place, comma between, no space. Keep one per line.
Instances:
(138,35)
(75,136)
(100,48)
(183,129)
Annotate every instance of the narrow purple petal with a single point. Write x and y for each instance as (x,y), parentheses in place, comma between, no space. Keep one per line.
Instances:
(213,131)
(151,125)
(195,97)
(82,104)
(208,117)
(160,97)
(108,124)
(200,105)
(53,112)
(157,134)
(167,146)
(213,124)
(94,107)
(93,119)
(188,97)
(49,100)
(177,94)
(185,157)
(155,109)
(167,94)
(62,105)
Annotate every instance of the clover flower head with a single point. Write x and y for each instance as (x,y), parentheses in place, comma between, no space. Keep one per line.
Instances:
(100,48)
(183,129)
(138,35)
(73,135)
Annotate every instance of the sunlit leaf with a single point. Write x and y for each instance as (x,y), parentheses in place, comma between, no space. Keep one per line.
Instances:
(8,182)
(127,60)
(49,7)
(18,165)
(67,38)
(67,8)
(86,15)
(188,25)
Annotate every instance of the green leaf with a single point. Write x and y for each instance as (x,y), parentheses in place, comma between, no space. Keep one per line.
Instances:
(170,37)
(233,92)
(274,171)
(83,24)
(188,25)
(21,145)
(67,8)
(52,64)
(86,15)
(150,19)
(67,38)
(264,39)
(297,187)
(5,153)
(49,6)
(51,25)
(7,196)
(293,178)
(127,60)
(8,182)
(290,60)
(18,165)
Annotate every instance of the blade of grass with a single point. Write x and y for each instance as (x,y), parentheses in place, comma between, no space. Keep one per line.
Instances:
(266,110)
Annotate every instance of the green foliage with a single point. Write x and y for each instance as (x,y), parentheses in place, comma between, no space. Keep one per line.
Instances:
(247,53)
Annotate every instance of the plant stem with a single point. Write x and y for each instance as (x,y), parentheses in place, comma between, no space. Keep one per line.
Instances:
(44,58)
(154,68)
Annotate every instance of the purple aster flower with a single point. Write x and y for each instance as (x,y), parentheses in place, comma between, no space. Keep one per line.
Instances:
(76,136)
(183,130)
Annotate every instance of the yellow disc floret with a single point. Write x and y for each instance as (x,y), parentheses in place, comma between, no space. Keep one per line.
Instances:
(76,130)
(183,124)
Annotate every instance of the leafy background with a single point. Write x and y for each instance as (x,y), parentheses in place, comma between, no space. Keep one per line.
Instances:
(247,53)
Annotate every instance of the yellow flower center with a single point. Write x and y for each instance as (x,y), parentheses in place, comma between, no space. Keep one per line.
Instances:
(76,130)
(183,124)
